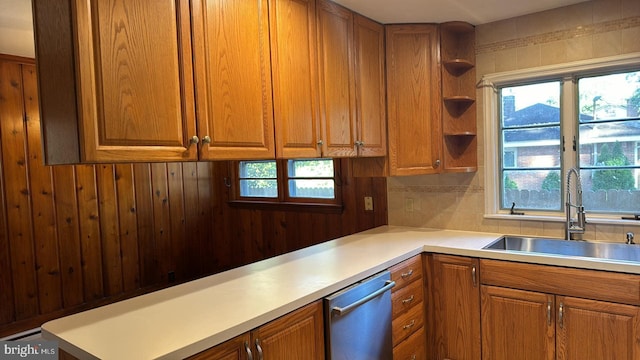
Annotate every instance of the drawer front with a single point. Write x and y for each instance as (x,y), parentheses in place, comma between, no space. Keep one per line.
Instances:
(588,284)
(407,323)
(406,272)
(406,298)
(413,348)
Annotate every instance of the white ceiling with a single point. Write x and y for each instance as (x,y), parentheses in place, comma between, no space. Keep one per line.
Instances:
(475,12)
(16,34)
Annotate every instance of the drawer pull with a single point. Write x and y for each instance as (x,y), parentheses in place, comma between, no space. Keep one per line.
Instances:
(407,274)
(408,300)
(409,325)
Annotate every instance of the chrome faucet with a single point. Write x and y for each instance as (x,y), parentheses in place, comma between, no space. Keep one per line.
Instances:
(574,225)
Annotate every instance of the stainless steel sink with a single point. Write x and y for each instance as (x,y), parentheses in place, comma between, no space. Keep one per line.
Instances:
(611,251)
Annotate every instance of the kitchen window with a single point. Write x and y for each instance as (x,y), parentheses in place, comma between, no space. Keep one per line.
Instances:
(287,182)
(542,122)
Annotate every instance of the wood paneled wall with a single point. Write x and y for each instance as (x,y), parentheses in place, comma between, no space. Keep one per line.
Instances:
(76,237)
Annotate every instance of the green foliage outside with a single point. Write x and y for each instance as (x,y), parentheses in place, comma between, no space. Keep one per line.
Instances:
(509,184)
(551,181)
(615,179)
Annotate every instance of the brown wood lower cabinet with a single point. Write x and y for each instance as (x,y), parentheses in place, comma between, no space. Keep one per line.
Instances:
(297,335)
(527,316)
(455,308)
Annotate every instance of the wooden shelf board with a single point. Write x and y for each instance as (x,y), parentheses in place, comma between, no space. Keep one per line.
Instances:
(459,99)
(458,66)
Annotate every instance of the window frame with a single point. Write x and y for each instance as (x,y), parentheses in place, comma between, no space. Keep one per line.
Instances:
(567,74)
(283,201)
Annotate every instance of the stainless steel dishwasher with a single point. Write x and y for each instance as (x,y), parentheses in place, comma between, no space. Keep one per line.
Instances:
(358,320)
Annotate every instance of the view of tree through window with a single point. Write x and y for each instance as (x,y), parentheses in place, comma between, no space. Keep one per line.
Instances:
(609,134)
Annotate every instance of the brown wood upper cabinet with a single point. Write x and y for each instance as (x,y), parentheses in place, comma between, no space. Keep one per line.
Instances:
(414,99)
(233,79)
(115,80)
(295,78)
(352,90)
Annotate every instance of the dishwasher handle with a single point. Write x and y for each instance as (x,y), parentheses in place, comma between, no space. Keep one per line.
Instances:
(344,310)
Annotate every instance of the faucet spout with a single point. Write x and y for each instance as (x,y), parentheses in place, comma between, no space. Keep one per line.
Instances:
(575,225)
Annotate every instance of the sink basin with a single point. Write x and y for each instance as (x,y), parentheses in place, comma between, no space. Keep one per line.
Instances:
(611,251)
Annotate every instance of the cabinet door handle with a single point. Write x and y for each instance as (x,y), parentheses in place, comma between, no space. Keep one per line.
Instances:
(248,350)
(436,164)
(408,300)
(259,348)
(474,276)
(206,140)
(561,315)
(409,325)
(407,274)
(193,141)
(549,313)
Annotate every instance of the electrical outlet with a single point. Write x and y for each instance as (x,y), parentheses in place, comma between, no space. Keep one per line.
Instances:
(408,205)
(368,203)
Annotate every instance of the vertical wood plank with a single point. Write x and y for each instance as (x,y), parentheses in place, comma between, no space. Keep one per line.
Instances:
(109,226)
(161,220)
(222,216)
(67,226)
(176,209)
(41,185)
(7,310)
(89,221)
(19,224)
(128,231)
(194,232)
(146,240)
(205,211)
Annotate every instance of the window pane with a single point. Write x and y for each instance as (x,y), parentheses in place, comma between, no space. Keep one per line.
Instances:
(609,136)
(611,190)
(532,189)
(311,178)
(259,188)
(258,179)
(530,105)
(317,189)
(535,147)
(258,169)
(316,168)
(609,97)
(530,143)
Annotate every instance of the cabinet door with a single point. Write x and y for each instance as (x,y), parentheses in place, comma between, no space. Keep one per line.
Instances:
(517,324)
(370,87)
(413,99)
(295,84)
(234,349)
(337,83)
(298,335)
(456,312)
(589,329)
(135,82)
(233,79)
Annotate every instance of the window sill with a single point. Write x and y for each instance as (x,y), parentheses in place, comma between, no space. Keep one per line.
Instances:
(593,219)
(287,206)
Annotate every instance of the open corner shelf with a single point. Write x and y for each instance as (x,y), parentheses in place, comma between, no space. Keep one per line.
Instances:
(457,44)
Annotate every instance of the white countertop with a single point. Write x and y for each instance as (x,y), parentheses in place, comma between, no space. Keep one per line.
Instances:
(185,319)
